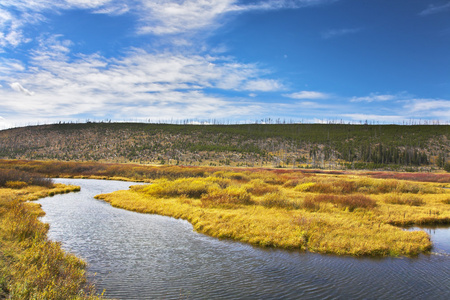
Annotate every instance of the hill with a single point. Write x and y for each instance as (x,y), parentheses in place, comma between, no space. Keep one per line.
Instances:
(270,145)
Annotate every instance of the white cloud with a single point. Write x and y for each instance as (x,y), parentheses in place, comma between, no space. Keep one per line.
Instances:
(434,9)
(139,85)
(312,105)
(429,104)
(307,95)
(19,88)
(11,33)
(417,109)
(372,117)
(374,98)
(333,33)
(263,85)
(87,3)
(431,108)
(15,15)
(168,17)
(159,17)
(182,16)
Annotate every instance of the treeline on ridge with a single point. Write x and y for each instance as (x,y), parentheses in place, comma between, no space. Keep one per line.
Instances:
(256,145)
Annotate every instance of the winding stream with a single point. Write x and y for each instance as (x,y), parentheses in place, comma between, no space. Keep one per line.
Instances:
(141,256)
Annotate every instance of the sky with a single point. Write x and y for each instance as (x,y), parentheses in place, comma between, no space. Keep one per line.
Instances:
(227,61)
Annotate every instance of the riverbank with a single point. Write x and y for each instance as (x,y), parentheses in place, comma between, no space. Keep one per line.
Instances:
(337,212)
(147,256)
(343,214)
(32,266)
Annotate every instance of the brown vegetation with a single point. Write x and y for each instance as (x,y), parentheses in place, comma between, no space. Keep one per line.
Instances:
(31,266)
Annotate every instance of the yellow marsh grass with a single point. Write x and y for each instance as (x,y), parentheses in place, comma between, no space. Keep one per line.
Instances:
(31,193)
(354,220)
(31,266)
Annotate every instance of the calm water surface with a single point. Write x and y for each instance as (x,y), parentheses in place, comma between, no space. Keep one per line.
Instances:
(139,256)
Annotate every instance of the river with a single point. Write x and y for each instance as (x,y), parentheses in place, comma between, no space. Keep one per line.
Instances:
(142,256)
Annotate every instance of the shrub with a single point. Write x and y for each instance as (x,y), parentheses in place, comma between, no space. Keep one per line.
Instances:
(309,203)
(414,200)
(304,187)
(278,199)
(291,183)
(387,186)
(393,199)
(350,202)
(405,199)
(29,178)
(15,184)
(258,187)
(405,187)
(345,186)
(322,187)
(353,202)
(238,177)
(190,187)
(232,175)
(230,196)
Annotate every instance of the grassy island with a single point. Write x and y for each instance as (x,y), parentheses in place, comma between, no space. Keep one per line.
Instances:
(344,214)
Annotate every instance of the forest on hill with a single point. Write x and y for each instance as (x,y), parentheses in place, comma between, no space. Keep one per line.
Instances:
(330,146)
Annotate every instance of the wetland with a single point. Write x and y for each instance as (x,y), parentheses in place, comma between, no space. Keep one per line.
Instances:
(137,256)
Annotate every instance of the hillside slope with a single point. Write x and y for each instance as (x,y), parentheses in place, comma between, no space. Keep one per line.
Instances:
(307,145)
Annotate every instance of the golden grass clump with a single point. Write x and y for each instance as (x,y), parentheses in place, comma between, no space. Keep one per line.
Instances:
(258,187)
(31,266)
(16,184)
(230,196)
(347,202)
(241,177)
(404,199)
(190,187)
(278,199)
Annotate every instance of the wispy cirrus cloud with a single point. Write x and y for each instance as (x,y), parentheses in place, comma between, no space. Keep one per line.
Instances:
(159,17)
(16,15)
(373,97)
(307,95)
(434,9)
(162,17)
(137,85)
(334,33)
(434,108)
(263,85)
(19,88)
(361,117)
(402,107)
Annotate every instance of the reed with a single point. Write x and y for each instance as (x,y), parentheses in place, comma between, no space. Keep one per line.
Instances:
(404,199)
(279,199)
(31,266)
(228,197)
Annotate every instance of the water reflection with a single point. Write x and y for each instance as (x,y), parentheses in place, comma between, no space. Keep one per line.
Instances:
(440,235)
(138,256)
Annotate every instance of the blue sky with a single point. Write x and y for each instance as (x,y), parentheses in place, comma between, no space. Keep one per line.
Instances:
(380,61)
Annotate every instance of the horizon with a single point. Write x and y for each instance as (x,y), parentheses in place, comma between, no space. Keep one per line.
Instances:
(190,122)
(234,61)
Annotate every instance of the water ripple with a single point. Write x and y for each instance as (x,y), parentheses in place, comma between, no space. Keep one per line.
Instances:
(137,256)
